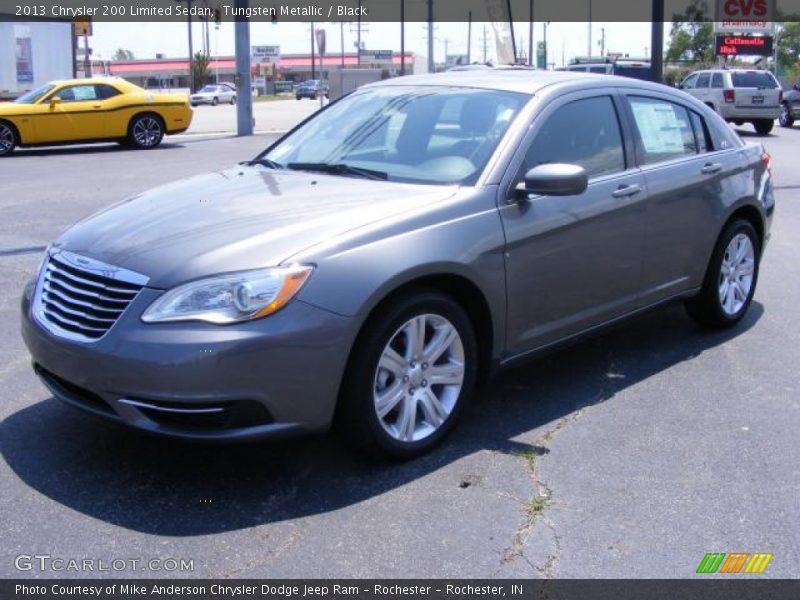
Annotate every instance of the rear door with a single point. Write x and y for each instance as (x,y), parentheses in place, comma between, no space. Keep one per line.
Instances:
(755,89)
(573,261)
(687,183)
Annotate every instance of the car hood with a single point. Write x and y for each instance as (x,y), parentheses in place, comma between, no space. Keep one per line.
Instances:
(243,218)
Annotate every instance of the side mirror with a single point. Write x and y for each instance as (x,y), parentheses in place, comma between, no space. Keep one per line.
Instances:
(555,179)
(54,100)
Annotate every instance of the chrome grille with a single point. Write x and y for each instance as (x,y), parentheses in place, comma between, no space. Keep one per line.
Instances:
(81,298)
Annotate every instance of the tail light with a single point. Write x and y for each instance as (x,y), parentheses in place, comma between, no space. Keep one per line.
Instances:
(729,95)
(767,160)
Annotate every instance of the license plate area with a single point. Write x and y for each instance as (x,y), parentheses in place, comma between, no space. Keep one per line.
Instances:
(758,100)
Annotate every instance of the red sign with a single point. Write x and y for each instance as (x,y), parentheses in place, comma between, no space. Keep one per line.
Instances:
(744,10)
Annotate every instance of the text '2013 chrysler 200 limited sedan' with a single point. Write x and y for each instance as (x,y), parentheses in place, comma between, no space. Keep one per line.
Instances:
(372,264)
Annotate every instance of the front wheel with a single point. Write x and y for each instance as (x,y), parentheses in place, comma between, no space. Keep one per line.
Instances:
(410,375)
(8,139)
(786,119)
(233,99)
(763,126)
(146,131)
(214,101)
(731,278)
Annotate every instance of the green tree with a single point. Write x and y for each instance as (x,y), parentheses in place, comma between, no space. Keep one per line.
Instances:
(692,41)
(123,54)
(199,70)
(788,38)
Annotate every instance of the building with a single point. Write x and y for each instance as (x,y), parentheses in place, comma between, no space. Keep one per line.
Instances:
(172,73)
(41,51)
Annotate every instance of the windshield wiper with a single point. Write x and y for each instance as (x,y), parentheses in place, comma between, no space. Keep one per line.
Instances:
(265,162)
(339,169)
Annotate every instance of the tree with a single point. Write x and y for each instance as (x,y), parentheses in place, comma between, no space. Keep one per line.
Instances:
(122,54)
(788,38)
(199,70)
(691,41)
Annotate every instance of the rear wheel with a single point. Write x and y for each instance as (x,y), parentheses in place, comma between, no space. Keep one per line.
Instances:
(763,126)
(146,131)
(731,278)
(786,119)
(410,375)
(8,138)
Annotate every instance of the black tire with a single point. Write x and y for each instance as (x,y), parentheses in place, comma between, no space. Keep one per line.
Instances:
(298,97)
(214,101)
(706,308)
(146,131)
(357,420)
(8,138)
(233,100)
(763,126)
(786,119)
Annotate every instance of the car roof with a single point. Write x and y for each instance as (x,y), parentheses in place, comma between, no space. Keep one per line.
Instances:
(525,81)
(92,81)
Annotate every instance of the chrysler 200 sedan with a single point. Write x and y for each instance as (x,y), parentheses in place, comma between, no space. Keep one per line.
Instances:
(369,267)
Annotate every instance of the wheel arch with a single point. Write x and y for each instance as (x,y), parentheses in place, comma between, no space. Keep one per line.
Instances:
(751,214)
(150,113)
(14,128)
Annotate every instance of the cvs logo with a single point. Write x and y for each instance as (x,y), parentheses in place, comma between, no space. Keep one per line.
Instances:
(744,9)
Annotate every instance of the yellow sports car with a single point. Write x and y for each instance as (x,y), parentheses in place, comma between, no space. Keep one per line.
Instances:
(91,110)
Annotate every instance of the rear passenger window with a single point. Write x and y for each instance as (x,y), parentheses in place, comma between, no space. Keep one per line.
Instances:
(105,92)
(703,79)
(584,132)
(701,133)
(716,81)
(665,131)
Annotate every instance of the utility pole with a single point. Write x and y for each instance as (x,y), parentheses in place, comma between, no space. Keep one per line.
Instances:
(402,37)
(446,46)
(511,27)
(602,42)
(341,34)
(657,40)
(590,28)
(530,33)
(485,42)
(358,39)
(431,64)
(191,49)
(469,37)
(313,59)
(244,99)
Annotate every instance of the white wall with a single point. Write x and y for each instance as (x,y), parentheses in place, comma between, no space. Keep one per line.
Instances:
(51,44)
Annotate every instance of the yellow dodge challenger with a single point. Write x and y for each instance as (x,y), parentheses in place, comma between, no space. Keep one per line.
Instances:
(91,110)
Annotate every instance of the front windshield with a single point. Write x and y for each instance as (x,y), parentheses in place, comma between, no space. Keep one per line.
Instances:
(34,95)
(209,88)
(438,135)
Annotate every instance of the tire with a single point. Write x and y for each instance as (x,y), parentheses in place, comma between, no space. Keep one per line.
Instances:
(8,138)
(146,131)
(233,100)
(214,101)
(786,119)
(763,126)
(418,414)
(298,97)
(721,307)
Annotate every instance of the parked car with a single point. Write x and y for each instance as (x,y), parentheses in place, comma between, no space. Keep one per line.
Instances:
(790,106)
(369,267)
(312,89)
(739,95)
(637,68)
(214,94)
(77,111)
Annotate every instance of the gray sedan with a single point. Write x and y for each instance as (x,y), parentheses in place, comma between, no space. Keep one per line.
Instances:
(213,95)
(372,266)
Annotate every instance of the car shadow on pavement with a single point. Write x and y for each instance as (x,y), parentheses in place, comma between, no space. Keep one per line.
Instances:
(166,487)
(102,148)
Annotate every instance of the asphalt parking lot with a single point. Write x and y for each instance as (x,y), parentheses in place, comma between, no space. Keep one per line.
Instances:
(629,455)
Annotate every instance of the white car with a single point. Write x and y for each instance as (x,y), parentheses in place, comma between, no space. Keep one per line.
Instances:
(739,95)
(213,95)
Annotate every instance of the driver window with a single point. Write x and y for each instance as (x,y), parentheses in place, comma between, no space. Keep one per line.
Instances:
(584,132)
(77,93)
(689,82)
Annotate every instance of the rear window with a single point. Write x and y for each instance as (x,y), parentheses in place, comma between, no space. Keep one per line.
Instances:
(754,79)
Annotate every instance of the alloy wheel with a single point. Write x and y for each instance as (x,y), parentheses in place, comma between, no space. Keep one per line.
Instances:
(419,378)
(736,274)
(147,132)
(7,139)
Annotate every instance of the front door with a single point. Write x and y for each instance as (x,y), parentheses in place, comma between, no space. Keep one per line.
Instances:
(574,261)
(79,115)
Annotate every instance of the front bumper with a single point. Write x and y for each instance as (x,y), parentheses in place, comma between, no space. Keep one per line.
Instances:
(196,101)
(261,379)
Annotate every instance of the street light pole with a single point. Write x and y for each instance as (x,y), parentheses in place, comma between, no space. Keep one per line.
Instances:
(431,64)
(530,34)
(244,98)
(191,49)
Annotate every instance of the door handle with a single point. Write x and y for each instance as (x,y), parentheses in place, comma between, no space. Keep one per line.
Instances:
(624,191)
(711,168)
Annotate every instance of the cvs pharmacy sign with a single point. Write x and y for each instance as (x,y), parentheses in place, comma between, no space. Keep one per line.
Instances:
(745,10)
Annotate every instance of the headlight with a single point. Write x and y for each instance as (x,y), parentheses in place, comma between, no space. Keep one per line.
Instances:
(230,298)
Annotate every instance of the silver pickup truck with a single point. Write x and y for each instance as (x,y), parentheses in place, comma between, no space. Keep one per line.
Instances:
(738,95)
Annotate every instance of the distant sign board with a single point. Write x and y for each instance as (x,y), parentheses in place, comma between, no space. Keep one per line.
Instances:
(758,27)
(743,45)
(265,54)
(375,56)
(82,27)
(453,60)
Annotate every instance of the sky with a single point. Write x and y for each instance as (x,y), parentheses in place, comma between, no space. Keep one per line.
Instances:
(565,40)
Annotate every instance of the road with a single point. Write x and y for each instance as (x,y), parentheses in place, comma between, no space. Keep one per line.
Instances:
(629,455)
(271,116)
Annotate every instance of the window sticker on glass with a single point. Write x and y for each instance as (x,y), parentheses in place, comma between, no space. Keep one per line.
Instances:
(659,127)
